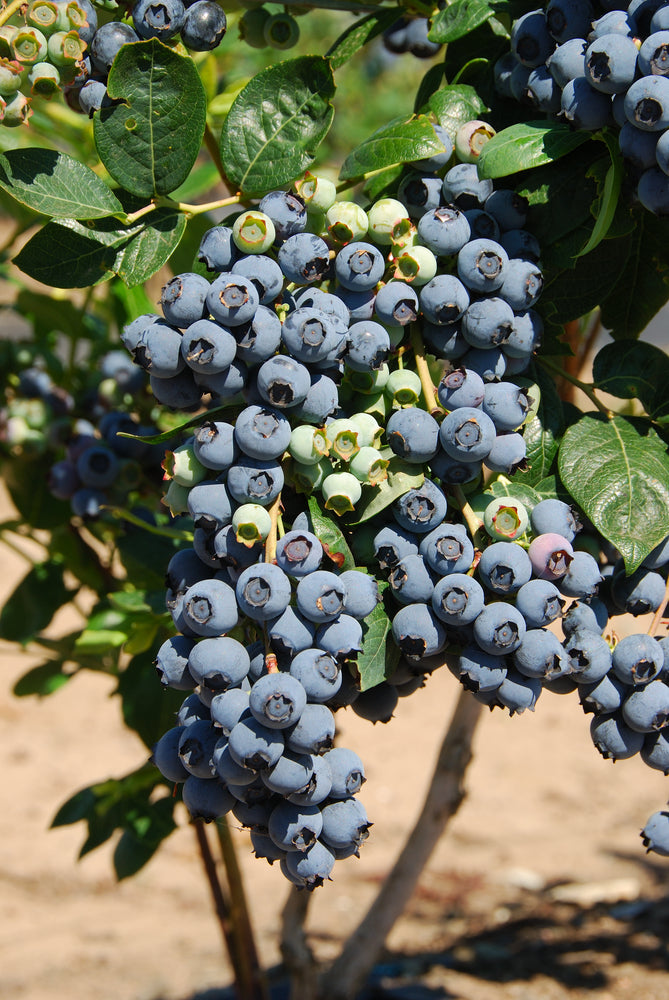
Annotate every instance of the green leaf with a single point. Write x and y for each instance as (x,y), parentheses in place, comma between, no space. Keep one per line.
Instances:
(80,559)
(42,680)
(60,255)
(527,145)
(618,473)
(379,656)
(542,433)
(146,708)
(77,807)
(56,185)
(27,483)
(403,140)
(610,196)
(631,370)
(458,19)
(34,602)
(641,285)
(570,294)
(330,536)
(99,640)
(456,105)
(428,85)
(150,139)
(277,123)
(384,182)
(504,487)
(561,195)
(358,34)
(402,476)
(151,248)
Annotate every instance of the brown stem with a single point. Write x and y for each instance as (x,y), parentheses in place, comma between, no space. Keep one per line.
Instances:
(251,981)
(444,796)
(215,153)
(298,957)
(657,617)
(221,905)
(591,333)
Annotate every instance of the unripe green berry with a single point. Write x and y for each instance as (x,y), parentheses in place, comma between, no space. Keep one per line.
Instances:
(175,498)
(343,437)
(252,27)
(369,466)
(11,77)
(396,334)
(385,216)
(416,264)
(71,16)
(281,31)
(307,478)
(43,14)
(403,236)
(253,232)
(367,427)
(251,523)
(376,403)
(18,435)
(29,45)
(66,48)
(505,519)
(470,140)
(317,223)
(318,193)
(8,33)
(182,465)
(403,387)
(341,492)
(17,110)
(35,412)
(44,79)
(367,382)
(308,444)
(346,222)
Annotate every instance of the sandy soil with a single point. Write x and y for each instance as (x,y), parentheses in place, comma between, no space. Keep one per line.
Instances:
(540,890)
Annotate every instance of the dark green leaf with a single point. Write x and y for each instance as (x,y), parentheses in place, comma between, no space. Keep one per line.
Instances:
(34,602)
(62,256)
(610,195)
(458,19)
(385,182)
(78,556)
(28,486)
(358,34)
(401,477)
(527,145)
(631,370)
(560,196)
(277,123)
(138,844)
(151,248)
(56,185)
(330,536)
(147,708)
(641,287)
(150,139)
(456,105)
(570,294)
(42,680)
(77,807)
(402,140)
(618,473)
(430,82)
(379,656)
(542,433)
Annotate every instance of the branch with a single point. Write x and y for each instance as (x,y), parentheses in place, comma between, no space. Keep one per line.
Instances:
(446,791)
(298,957)
(221,905)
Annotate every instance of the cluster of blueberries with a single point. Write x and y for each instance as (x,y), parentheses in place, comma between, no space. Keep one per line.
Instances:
(312,331)
(55,44)
(409,34)
(256,736)
(595,64)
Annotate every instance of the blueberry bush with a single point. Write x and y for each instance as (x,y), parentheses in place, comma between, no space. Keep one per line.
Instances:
(359,439)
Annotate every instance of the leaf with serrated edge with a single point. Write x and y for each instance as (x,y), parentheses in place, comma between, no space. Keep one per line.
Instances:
(526,145)
(56,185)
(456,105)
(631,370)
(618,473)
(403,140)
(458,19)
(150,138)
(276,124)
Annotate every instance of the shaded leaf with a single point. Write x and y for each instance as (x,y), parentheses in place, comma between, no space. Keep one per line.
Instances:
(542,433)
(458,19)
(610,196)
(56,185)
(379,656)
(144,254)
(358,34)
(641,287)
(34,602)
(147,708)
(276,124)
(150,139)
(631,370)
(63,256)
(618,473)
(42,680)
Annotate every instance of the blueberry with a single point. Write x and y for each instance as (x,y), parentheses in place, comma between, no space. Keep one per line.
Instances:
(585,107)
(444,300)
(206,799)
(304,258)
(566,19)
(420,194)
(508,208)
(321,596)
(413,435)
(107,41)
(204,26)
(265,274)
(232,299)
(463,188)
(359,266)
(421,509)
(263,592)
(262,432)
(653,191)
(522,285)
(290,633)
(368,347)
(444,230)
(567,61)
(313,733)
(482,265)
(209,608)
(467,434)
(165,755)
(418,632)
(457,599)
(447,549)
(391,544)
(217,250)
(196,747)
(531,41)
(504,567)
(254,744)
(655,834)
(647,104)
(613,738)
(488,322)
(539,603)
(158,18)
(541,655)
(550,554)
(228,707)
(554,515)
(342,638)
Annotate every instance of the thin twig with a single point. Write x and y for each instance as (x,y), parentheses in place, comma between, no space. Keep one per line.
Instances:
(221,905)
(298,957)
(586,389)
(423,370)
(657,617)
(444,796)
